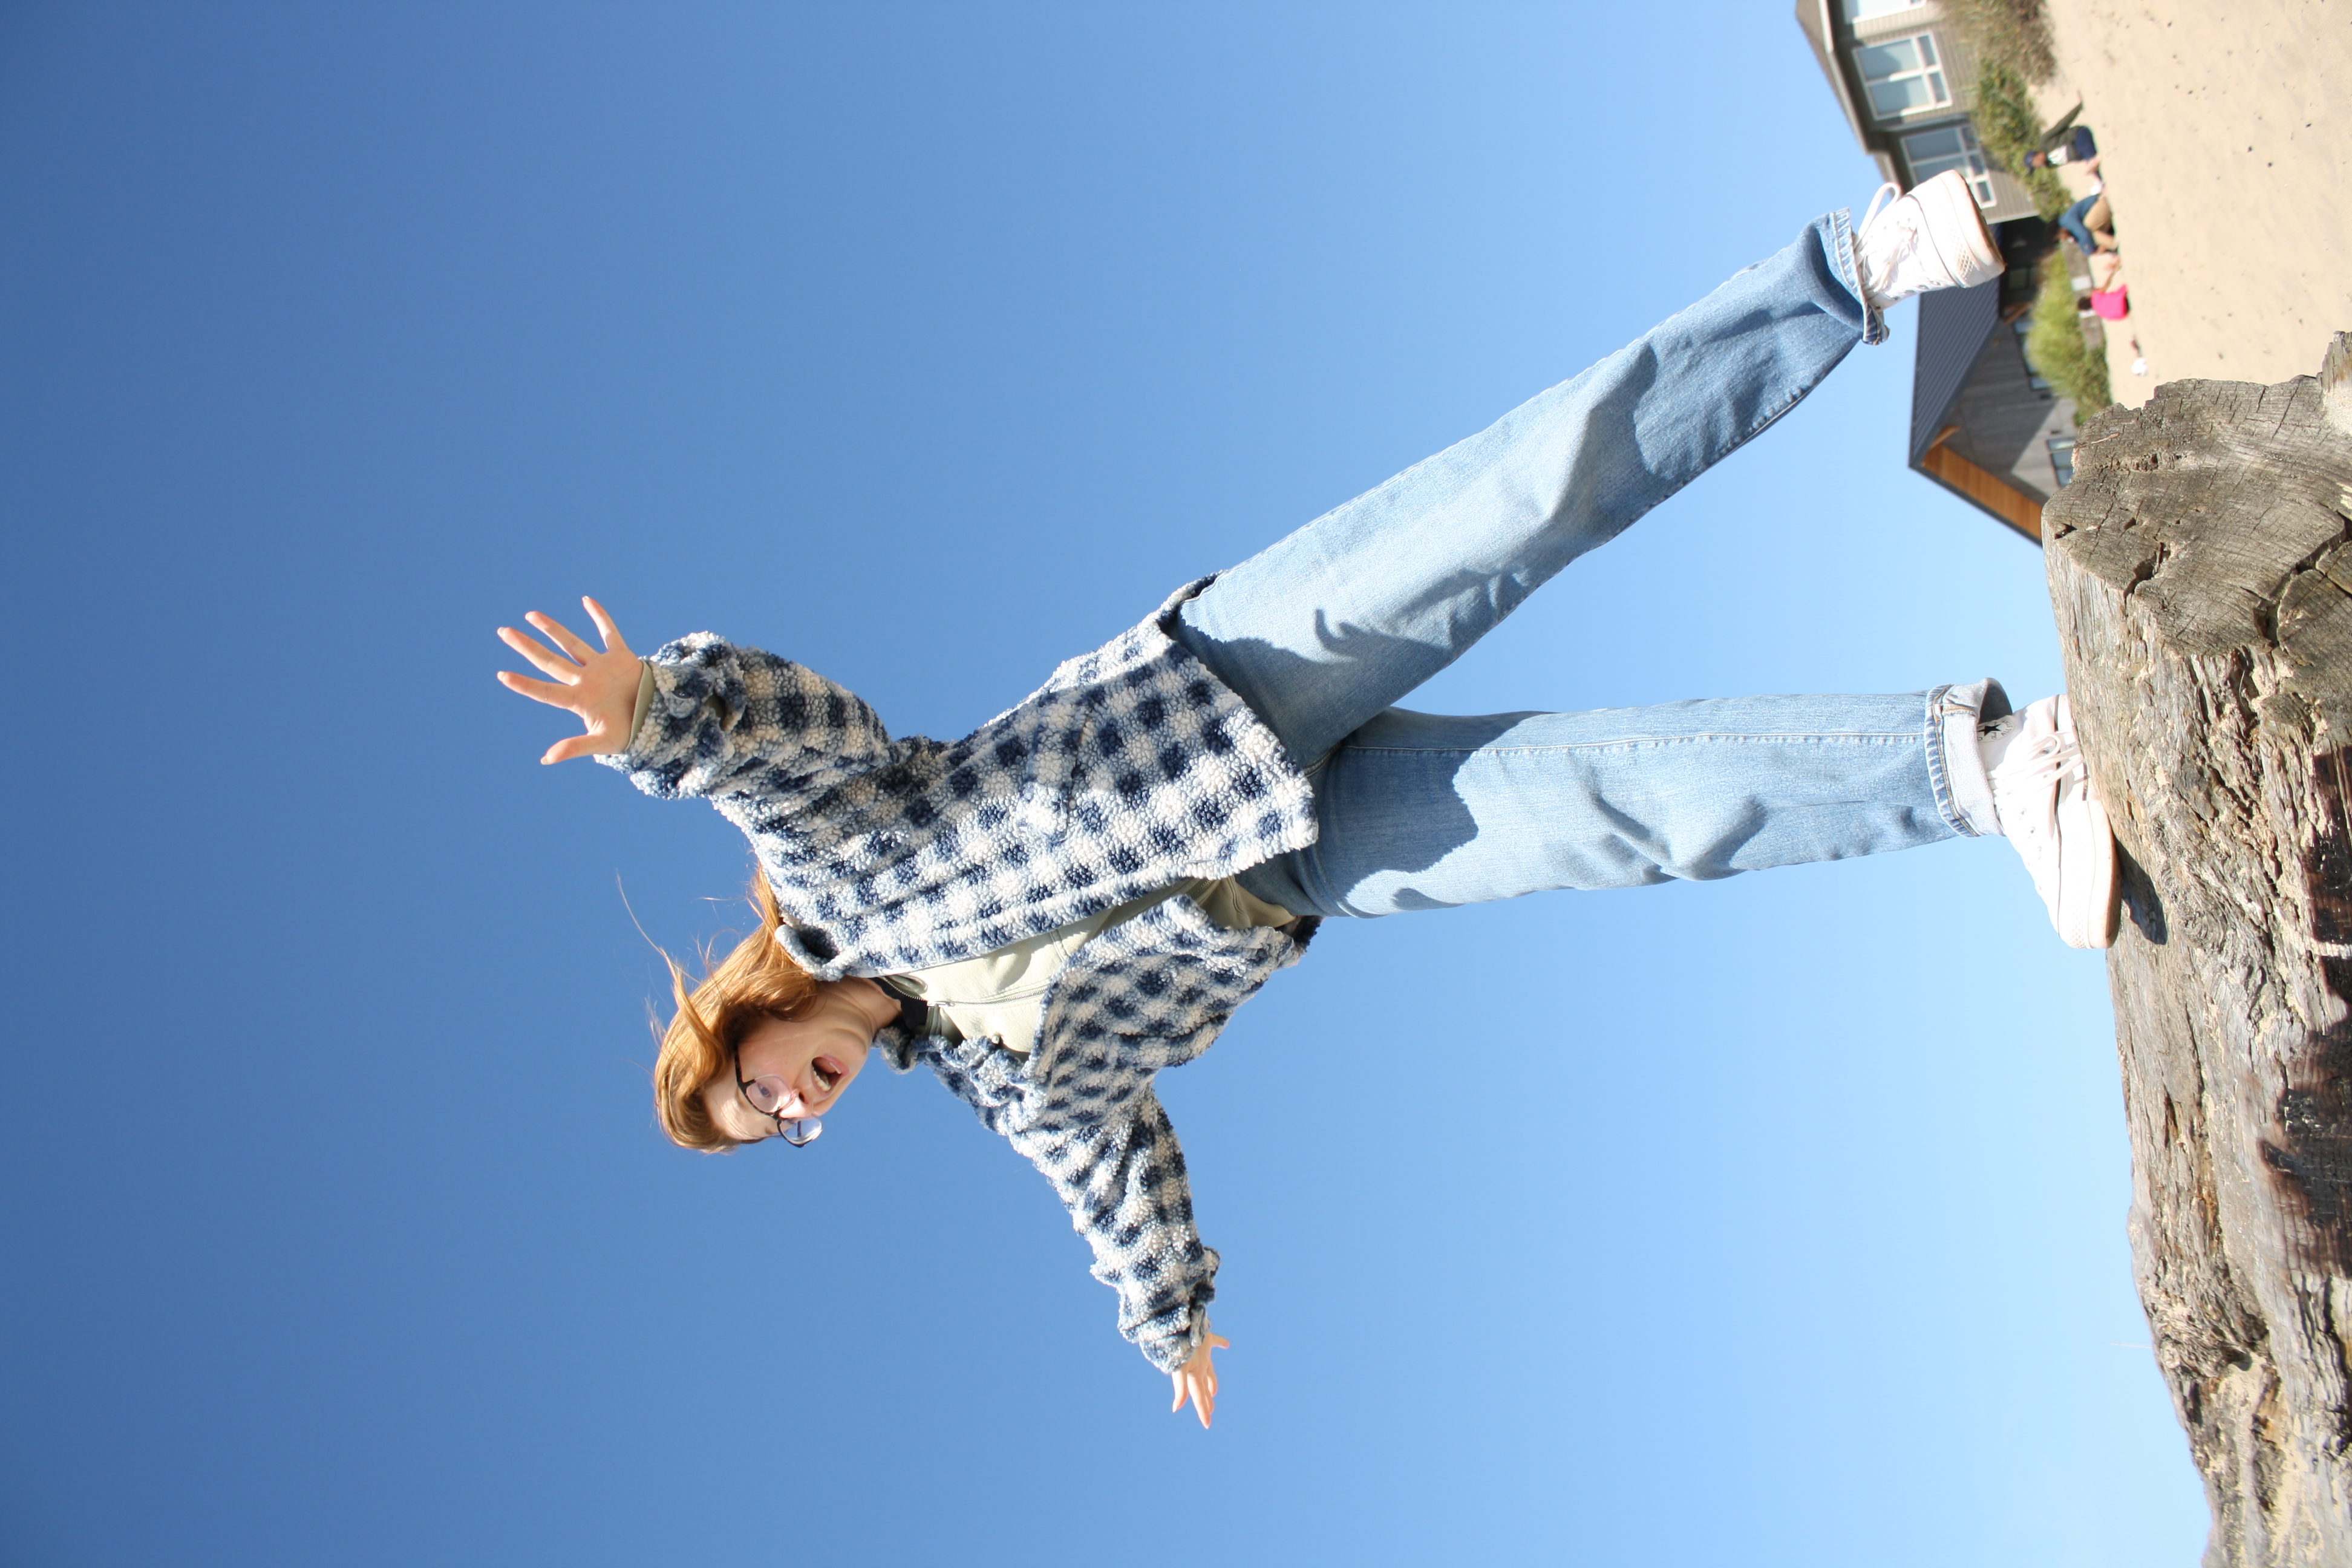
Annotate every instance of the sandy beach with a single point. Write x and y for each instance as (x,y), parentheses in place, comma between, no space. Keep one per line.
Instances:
(2226,147)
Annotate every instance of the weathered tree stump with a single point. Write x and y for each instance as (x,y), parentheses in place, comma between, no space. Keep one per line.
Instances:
(2200,564)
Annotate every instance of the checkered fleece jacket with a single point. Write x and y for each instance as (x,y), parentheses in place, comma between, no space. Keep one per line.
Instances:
(1131,768)
(1147,993)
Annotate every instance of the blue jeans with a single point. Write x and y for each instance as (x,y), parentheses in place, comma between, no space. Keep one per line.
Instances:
(2071,220)
(1323,632)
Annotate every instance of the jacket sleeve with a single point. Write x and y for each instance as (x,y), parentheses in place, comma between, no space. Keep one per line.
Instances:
(1139,997)
(726,721)
(1100,1137)
(1123,1181)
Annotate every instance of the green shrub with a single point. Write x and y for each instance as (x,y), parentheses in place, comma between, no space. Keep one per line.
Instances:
(2008,127)
(2012,34)
(2055,349)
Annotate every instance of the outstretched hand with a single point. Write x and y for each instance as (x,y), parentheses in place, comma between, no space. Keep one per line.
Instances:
(1197,1379)
(600,688)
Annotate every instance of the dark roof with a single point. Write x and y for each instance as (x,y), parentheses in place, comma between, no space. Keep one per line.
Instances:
(1954,326)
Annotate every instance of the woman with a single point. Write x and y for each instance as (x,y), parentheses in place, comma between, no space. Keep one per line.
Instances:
(1081,892)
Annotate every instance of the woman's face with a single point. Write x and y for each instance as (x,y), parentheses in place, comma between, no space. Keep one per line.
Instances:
(816,1055)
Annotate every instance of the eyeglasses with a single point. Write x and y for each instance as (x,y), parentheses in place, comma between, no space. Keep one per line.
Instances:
(768,1096)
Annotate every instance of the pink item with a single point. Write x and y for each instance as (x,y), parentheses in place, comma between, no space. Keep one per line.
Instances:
(2112,304)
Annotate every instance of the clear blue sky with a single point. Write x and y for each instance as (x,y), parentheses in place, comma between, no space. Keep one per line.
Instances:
(1775,1221)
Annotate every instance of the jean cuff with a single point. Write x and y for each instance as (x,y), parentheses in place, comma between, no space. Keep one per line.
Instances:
(1848,270)
(1955,762)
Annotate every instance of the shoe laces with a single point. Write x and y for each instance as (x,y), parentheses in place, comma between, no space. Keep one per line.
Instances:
(2034,769)
(1888,192)
(1888,234)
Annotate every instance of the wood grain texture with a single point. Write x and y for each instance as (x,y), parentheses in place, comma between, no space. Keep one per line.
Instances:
(2200,566)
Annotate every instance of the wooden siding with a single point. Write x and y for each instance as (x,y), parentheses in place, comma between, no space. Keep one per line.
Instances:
(1985,488)
(2010,197)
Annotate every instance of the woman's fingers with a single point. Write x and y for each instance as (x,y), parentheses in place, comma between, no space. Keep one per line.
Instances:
(546,691)
(613,641)
(1197,1379)
(1199,1386)
(600,688)
(549,663)
(562,636)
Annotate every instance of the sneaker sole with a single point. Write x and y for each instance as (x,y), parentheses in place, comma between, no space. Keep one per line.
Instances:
(2087,888)
(1950,208)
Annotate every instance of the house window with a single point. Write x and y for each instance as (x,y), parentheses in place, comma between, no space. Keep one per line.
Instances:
(1902,75)
(2062,459)
(2033,378)
(1931,153)
(1863,10)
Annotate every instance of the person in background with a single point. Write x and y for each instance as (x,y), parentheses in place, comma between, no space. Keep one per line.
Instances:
(2091,222)
(2108,304)
(2112,304)
(2110,300)
(2076,145)
(2088,219)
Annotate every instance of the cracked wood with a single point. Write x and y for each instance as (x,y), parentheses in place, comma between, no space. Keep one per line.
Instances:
(2200,566)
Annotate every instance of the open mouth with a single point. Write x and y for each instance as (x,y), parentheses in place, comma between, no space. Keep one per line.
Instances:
(827,1073)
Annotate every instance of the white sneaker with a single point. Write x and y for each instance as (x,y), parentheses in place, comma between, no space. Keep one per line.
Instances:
(1934,237)
(2041,793)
